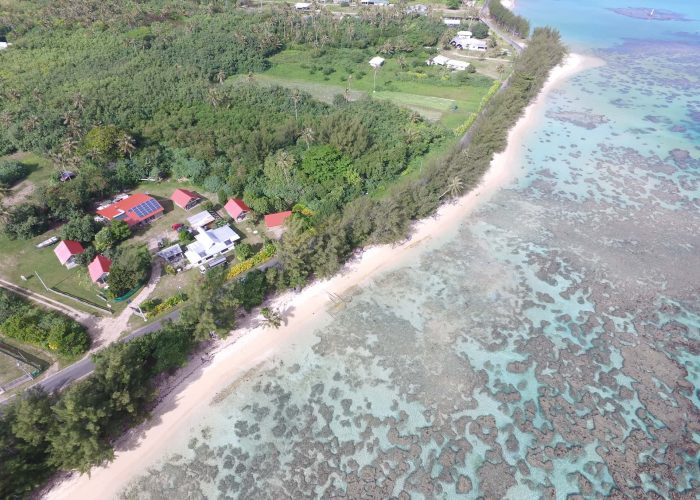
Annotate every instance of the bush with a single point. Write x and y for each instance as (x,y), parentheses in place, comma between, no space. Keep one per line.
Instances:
(263,255)
(11,172)
(243,251)
(22,321)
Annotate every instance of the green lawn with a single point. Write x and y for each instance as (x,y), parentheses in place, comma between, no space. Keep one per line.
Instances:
(434,92)
(8,369)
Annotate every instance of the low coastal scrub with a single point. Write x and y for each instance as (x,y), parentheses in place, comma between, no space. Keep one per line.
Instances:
(49,330)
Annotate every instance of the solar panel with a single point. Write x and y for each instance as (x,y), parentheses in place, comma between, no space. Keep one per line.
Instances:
(145,208)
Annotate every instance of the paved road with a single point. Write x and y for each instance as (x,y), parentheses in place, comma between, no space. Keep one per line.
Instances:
(85,366)
(494,27)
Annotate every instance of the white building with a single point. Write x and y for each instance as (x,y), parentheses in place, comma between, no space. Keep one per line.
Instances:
(453,64)
(376,61)
(449,21)
(210,244)
(468,43)
(464,34)
(4,45)
(200,220)
(438,61)
(302,6)
(456,65)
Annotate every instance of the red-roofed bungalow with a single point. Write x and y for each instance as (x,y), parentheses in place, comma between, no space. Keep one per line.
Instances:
(186,199)
(276,220)
(66,252)
(99,269)
(136,209)
(237,208)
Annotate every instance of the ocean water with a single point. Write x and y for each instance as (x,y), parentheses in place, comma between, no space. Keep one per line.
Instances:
(548,346)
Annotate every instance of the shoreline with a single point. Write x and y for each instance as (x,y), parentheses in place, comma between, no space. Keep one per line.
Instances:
(195,391)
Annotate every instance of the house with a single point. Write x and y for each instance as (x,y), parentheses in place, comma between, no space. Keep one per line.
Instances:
(211,243)
(468,43)
(99,269)
(237,208)
(376,62)
(456,65)
(450,21)
(171,254)
(185,199)
(66,251)
(475,44)
(464,34)
(135,209)
(276,220)
(437,61)
(302,6)
(201,219)
(380,3)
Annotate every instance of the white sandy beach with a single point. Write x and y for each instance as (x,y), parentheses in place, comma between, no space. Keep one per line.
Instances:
(257,344)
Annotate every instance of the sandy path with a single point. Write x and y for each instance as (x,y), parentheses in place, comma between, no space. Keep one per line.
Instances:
(144,444)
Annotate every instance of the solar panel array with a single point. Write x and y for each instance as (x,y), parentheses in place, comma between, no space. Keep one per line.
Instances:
(145,208)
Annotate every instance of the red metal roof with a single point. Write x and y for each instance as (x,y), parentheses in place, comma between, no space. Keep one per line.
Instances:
(124,209)
(66,249)
(274,220)
(235,207)
(181,197)
(98,267)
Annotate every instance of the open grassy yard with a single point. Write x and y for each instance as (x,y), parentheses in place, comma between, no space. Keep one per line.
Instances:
(436,93)
(8,369)
(21,258)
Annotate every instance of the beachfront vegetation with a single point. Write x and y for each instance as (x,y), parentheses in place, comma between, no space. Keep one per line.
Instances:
(511,22)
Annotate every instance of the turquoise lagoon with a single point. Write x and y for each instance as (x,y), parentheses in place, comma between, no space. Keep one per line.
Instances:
(548,346)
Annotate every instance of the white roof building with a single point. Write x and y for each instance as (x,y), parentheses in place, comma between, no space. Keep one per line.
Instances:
(438,60)
(4,45)
(210,244)
(201,219)
(452,22)
(302,6)
(476,44)
(457,65)
(376,61)
(464,34)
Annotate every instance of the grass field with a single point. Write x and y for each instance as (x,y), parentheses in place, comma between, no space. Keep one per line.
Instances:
(8,369)
(437,94)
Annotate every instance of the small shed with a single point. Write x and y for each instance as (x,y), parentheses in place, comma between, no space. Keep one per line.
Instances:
(376,62)
(66,251)
(438,60)
(302,6)
(201,219)
(185,199)
(172,253)
(99,269)
(236,208)
(449,21)
(277,219)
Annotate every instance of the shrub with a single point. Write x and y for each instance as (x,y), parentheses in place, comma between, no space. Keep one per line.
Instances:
(263,255)
(11,172)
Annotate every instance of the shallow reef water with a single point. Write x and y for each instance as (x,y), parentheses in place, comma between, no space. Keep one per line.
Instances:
(549,346)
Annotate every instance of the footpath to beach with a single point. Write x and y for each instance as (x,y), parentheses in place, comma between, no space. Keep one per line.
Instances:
(250,346)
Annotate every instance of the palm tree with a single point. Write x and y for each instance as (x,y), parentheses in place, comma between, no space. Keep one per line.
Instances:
(454,187)
(221,76)
(30,123)
(273,319)
(296,97)
(307,135)
(125,144)
(214,98)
